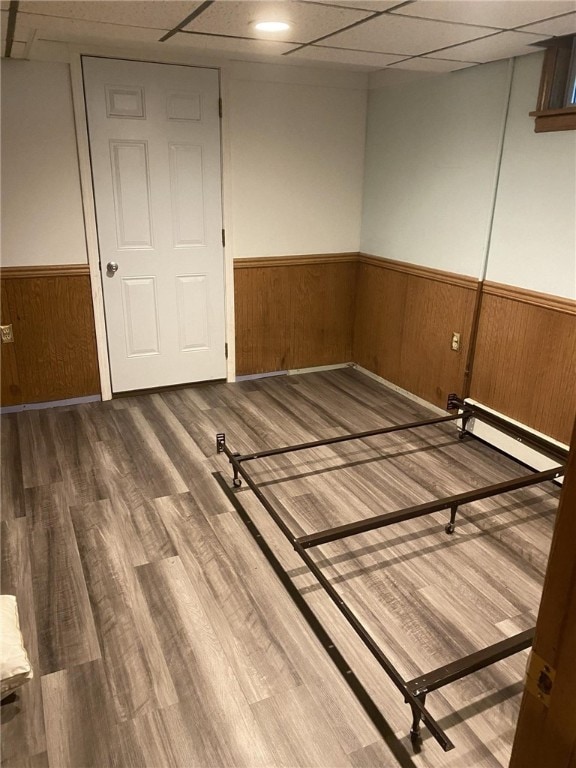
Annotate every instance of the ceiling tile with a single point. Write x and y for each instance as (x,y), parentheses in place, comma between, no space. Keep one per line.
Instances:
(503,14)
(69,30)
(308,21)
(423,64)
(367,5)
(396,77)
(160,14)
(4,15)
(227,44)
(341,55)
(18,50)
(454,33)
(503,45)
(395,34)
(562,25)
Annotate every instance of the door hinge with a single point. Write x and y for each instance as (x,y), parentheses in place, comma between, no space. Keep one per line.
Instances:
(540,678)
(220,107)
(223,238)
(226,350)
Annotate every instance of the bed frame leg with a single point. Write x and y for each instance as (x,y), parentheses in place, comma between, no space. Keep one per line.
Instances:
(221,448)
(449,528)
(463,431)
(415,734)
(236,479)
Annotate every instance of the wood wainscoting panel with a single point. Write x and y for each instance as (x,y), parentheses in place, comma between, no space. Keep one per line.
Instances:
(9,378)
(293,312)
(404,323)
(54,346)
(379,321)
(525,359)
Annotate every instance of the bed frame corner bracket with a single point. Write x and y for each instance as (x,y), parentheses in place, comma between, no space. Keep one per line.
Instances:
(453,402)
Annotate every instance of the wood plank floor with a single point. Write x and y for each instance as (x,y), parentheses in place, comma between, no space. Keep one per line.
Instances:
(158,632)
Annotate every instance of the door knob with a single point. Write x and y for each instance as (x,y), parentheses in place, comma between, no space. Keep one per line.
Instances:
(111,267)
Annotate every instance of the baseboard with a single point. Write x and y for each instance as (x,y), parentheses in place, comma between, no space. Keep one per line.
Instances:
(318,368)
(254,376)
(50,404)
(502,442)
(293,371)
(399,390)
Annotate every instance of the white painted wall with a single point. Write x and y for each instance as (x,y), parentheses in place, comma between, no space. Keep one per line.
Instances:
(293,160)
(294,170)
(534,236)
(431,160)
(42,220)
(430,180)
(296,162)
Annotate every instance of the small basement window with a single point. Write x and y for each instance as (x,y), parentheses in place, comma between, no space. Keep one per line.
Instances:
(556,108)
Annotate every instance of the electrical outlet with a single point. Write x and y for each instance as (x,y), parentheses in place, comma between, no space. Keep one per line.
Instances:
(455,344)
(7,334)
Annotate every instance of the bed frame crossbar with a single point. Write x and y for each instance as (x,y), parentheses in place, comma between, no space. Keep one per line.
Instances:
(419,510)
(460,668)
(416,690)
(356,436)
(415,702)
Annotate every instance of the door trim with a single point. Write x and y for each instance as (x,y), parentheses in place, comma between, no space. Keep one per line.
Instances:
(89,208)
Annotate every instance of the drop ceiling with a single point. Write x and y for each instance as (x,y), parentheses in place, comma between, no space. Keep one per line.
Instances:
(368,35)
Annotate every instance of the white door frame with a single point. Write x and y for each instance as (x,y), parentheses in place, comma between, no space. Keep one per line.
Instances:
(82,142)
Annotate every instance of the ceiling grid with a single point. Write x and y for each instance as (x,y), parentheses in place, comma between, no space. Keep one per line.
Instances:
(363,35)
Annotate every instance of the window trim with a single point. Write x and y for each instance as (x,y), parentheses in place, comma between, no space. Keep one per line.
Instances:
(549,118)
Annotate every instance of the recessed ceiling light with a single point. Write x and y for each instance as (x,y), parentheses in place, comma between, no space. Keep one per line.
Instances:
(272,26)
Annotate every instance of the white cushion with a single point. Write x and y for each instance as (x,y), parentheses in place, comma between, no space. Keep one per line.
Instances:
(15,666)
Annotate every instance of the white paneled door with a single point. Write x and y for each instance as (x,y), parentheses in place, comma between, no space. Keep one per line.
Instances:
(154,133)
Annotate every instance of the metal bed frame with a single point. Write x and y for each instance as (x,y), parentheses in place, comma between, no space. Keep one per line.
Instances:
(416,690)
